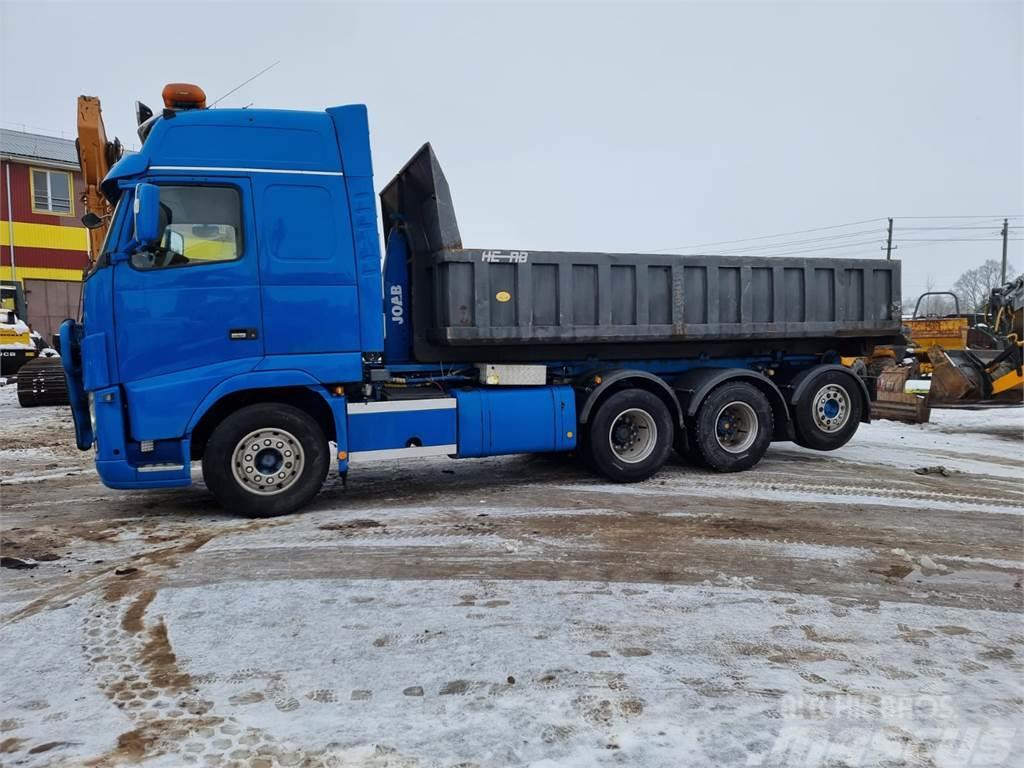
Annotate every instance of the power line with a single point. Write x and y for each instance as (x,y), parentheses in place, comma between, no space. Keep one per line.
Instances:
(999,216)
(816,249)
(930,229)
(762,237)
(954,239)
(823,239)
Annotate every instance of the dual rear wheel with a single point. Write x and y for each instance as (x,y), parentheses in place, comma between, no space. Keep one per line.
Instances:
(633,432)
(630,436)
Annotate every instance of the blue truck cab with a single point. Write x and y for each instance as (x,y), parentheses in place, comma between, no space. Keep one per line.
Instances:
(240,315)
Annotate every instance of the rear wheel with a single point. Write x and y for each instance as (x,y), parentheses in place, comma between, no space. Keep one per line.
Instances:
(266,460)
(733,427)
(630,436)
(828,413)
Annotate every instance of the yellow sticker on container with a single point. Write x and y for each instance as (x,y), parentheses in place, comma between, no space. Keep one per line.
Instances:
(503,296)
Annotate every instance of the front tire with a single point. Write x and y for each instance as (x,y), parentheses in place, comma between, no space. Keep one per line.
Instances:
(828,413)
(630,436)
(733,427)
(266,460)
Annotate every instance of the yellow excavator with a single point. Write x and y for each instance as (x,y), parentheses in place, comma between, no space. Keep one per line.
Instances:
(41,382)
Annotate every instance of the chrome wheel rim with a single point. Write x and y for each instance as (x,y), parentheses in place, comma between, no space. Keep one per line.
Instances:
(633,435)
(267,461)
(736,427)
(831,408)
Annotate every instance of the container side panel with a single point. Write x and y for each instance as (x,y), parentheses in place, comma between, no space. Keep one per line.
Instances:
(584,294)
(883,298)
(457,285)
(824,289)
(854,295)
(728,295)
(503,289)
(762,292)
(545,294)
(659,295)
(795,298)
(623,295)
(472,304)
(695,295)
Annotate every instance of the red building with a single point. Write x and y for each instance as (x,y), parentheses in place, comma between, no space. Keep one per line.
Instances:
(43,245)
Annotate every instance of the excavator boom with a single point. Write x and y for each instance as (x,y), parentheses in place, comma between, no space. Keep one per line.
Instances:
(95,155)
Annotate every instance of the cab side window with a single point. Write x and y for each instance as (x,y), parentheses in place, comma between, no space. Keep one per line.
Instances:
(200,225)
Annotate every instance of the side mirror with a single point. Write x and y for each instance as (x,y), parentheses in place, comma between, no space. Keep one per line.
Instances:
(147,214)
(92,221)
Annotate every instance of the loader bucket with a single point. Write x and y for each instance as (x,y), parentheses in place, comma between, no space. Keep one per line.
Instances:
(953,379)
(418,198)
(892,402)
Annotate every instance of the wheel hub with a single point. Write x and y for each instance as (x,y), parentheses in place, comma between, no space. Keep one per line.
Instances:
(831,408)
(267,461)
(736,427)
(633,435)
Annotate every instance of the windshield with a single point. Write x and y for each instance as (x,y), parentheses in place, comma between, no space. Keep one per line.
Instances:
(113,225)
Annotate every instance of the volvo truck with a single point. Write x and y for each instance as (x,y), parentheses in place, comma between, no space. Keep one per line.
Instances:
(240,314)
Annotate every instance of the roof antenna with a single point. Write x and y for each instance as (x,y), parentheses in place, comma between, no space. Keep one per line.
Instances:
(245,82)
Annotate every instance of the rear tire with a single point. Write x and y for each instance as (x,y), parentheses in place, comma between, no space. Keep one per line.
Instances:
(266,460)
(733,427)
(828,413)
(630,436)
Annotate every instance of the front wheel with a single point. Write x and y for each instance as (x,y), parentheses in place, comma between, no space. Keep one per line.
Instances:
(733,427)
(630,436)
(266,460)
(828,412)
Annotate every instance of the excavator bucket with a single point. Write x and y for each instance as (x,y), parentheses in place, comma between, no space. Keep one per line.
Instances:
(893,403)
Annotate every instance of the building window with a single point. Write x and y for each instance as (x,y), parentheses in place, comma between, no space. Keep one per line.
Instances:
(51,192)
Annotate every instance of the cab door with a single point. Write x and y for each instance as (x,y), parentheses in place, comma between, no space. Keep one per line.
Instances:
(187,313)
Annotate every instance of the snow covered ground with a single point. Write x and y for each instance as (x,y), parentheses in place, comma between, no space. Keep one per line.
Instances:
(821,610)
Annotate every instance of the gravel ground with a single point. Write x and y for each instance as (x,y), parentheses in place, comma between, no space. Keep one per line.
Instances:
(822,610)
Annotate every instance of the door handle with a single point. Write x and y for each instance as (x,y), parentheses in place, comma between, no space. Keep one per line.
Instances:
(242,334)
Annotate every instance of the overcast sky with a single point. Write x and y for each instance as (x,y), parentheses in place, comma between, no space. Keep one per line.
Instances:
(615,126)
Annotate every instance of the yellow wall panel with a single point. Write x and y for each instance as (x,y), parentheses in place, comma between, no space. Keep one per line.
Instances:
(41,273)
(45,236)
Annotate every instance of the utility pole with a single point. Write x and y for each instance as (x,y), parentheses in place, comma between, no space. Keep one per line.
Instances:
(888,242)
(1004,233)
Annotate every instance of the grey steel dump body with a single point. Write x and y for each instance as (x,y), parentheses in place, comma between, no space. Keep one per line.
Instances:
(560,305)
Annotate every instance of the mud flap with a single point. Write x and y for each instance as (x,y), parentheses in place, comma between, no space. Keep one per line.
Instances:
(71,360)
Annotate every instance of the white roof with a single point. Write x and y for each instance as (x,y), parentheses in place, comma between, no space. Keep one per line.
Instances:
(18,145)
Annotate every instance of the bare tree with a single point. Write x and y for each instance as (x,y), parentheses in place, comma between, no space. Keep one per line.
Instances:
(974,286)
